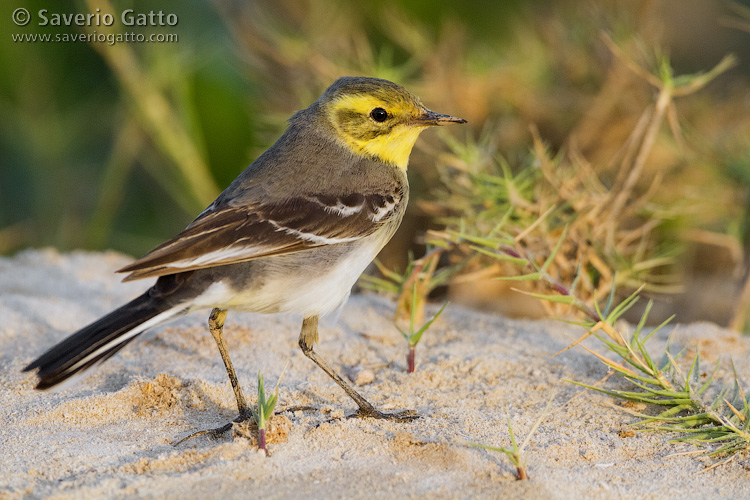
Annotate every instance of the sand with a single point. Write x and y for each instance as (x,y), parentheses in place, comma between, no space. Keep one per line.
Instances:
(110,435)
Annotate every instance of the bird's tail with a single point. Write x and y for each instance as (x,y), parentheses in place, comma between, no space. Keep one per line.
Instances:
(101,339)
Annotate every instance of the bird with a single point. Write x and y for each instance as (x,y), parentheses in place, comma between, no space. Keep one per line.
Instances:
(291,234)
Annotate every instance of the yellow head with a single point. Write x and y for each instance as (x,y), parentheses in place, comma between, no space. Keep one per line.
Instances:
(377,118)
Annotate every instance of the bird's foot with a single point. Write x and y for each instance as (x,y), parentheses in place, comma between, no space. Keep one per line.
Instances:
(219,431)
(398,416)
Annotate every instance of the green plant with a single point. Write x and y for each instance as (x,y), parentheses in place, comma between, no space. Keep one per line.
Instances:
(413,337)
(264,410)
(621,226)
(516,453)
(722,420)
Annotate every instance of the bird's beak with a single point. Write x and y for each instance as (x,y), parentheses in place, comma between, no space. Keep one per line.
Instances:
(429,118)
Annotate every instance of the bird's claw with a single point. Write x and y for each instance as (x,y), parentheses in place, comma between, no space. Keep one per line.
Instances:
(399,416)
(218,431)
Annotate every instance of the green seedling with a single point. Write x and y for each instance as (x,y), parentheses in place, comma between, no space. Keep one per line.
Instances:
(515,453)
(413,337)
(264,411)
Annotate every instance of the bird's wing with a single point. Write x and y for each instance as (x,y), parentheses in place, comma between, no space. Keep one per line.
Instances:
(229,234)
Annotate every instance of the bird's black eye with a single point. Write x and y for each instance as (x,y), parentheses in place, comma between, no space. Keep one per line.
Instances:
(379,115)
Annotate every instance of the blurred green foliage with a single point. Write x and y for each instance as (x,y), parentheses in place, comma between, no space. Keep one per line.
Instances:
(68,182)
(80,170)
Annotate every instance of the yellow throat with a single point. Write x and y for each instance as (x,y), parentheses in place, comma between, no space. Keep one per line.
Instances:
(377,118)
(391,144)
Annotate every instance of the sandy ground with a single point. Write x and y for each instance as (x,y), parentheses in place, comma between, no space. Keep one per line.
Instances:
(110,435)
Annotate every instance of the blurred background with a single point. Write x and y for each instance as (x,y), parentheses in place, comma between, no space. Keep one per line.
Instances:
(119,146)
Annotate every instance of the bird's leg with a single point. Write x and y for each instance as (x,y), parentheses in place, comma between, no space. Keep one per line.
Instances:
(216,327)
(307,339)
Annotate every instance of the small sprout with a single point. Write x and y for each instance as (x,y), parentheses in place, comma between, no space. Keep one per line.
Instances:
(413,337)
(264,411)
(515,453)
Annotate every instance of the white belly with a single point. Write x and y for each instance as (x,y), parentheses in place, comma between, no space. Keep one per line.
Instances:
(305,283)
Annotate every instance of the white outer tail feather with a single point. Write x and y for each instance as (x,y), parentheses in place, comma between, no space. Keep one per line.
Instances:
(151,323)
